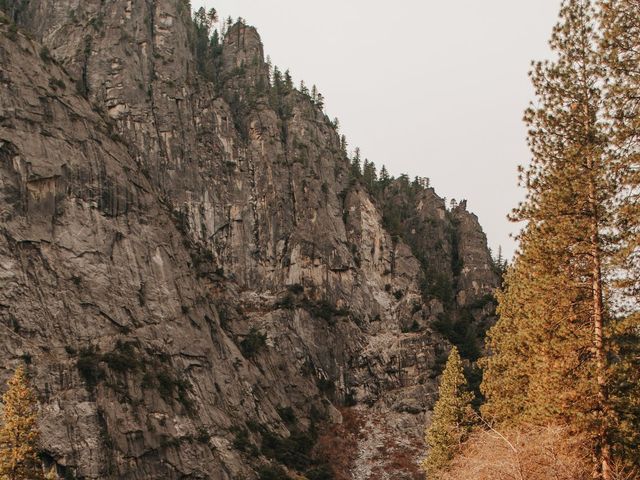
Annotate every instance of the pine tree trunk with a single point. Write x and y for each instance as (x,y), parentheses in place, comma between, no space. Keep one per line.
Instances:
(604,449)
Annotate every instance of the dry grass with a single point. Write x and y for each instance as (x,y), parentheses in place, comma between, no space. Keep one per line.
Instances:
(534,453)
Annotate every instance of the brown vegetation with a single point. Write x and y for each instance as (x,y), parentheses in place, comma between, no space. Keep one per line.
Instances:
(365,440)
(340,443)
(535,453)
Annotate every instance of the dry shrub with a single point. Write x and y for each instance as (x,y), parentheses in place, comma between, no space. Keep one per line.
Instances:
(621,470)
(532,453)
(339,443)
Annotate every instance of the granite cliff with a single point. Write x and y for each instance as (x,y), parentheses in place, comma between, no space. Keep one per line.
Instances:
(198,284)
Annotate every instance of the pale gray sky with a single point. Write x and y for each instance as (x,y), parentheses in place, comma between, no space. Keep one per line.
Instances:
(429,88)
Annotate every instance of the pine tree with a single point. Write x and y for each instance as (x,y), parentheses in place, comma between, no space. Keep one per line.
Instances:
(344,145)
(303,88)
(500,263)
(356,169)
(269,67)
(549,358)
(206,43)
(384,179)
(620,20)
(452,419)
(19,432)
(288,81)
(215,40)
(277,78)
(212,17)
(369,175)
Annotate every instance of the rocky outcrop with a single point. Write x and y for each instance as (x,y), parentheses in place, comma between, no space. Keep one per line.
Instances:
(477,275)
(189,268)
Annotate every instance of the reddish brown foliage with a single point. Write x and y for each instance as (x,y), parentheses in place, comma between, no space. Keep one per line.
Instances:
(392,459)
(339,443)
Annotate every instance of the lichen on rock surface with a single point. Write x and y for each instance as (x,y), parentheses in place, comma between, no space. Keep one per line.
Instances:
(191,272)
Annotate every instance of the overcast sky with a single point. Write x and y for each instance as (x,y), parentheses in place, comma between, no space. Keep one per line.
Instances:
(429,88)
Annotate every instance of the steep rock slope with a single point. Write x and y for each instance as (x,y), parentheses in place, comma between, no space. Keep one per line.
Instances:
(95,276)
(190,270)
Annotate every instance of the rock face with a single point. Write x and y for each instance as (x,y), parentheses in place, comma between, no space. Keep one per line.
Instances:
(191,272)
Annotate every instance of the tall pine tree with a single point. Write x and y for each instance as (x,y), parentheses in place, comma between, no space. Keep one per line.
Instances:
(620,45)
(452,418)
(549,348)
(19,432)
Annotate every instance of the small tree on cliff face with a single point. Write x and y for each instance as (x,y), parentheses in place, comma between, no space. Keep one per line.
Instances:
(19,432)
(206,43)
(452,418)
